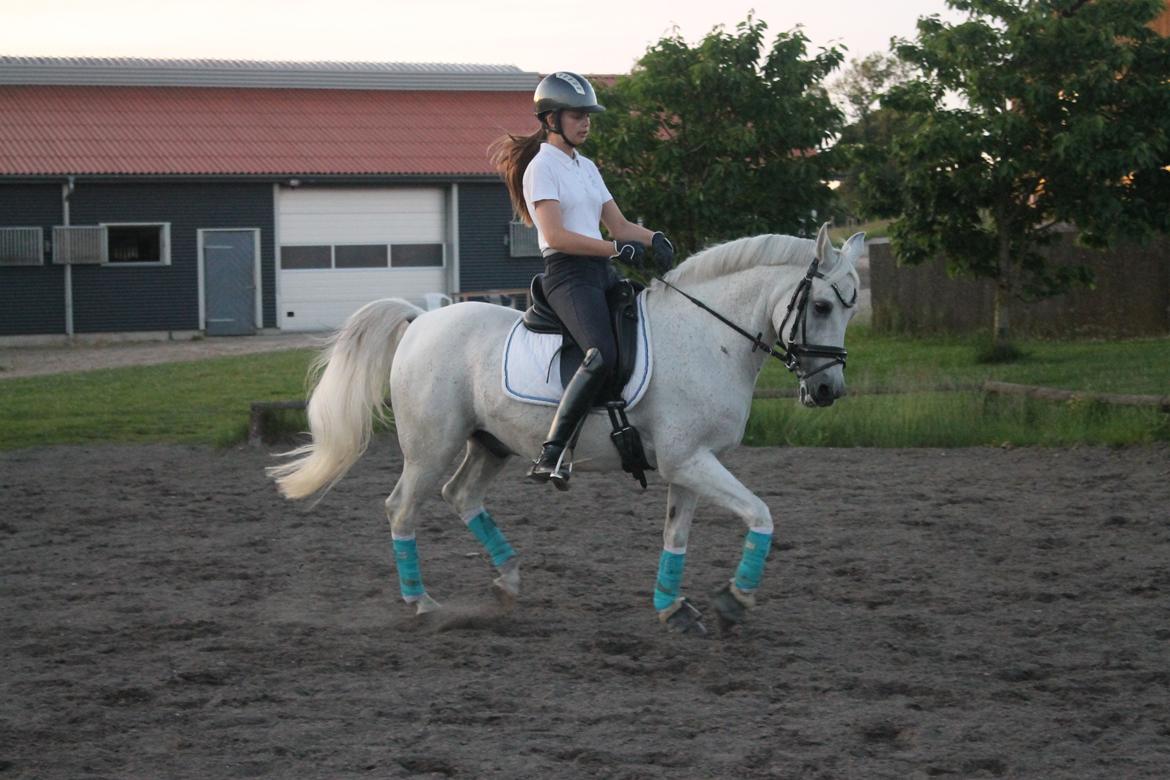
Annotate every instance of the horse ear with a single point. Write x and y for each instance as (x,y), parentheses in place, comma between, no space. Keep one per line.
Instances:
(824,244)
(854,248)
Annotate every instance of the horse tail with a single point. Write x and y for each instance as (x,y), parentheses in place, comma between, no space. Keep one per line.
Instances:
(354,379)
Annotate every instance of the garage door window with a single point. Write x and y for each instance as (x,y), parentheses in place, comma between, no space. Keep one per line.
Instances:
(302,257)
(416,256)
(325,256)
(360,256)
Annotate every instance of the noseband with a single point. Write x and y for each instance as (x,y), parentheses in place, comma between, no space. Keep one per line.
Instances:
(792,353)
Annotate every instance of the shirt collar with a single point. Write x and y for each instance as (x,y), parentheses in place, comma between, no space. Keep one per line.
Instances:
(560,156)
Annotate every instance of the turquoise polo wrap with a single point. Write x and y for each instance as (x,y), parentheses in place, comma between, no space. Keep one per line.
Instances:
(670,571)
(409,577)
(491,538)
(751,565)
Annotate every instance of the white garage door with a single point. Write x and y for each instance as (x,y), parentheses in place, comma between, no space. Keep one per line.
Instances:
(341,248)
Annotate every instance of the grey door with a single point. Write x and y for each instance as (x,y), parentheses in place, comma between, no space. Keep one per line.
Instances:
(229,265)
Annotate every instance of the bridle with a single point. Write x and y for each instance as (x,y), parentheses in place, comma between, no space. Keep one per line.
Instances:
(792,353)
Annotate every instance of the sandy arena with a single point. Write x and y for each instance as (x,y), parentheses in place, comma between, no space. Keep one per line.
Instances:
(925,613)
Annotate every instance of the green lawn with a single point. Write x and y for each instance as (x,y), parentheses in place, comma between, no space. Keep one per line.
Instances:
(207,402)
(909,365)
(917,414)
(878,228)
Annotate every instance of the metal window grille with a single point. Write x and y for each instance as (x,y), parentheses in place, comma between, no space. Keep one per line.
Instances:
(522,241)
(22,246)
(79,245)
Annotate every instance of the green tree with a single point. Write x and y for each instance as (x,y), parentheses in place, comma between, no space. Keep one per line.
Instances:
(863,82)
(869,184)
(1064,114)
(722,139)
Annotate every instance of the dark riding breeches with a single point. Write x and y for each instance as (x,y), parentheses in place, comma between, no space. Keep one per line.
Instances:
(575,288)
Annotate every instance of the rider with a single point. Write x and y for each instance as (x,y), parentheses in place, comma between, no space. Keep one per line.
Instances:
(560,191)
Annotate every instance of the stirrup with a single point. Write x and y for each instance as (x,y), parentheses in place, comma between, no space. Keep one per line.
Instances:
(540,471)
(562,470)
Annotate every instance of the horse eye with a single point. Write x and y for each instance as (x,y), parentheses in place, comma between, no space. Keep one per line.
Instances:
(822,308)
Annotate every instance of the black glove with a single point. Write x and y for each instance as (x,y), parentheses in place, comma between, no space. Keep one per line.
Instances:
(663,252)
(629,252)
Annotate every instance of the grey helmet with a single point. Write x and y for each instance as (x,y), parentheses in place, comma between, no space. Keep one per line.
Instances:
(563,90)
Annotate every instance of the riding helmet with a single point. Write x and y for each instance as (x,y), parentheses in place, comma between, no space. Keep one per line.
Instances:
(562,90)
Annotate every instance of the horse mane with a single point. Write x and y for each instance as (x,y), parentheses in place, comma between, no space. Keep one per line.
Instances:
(742,254)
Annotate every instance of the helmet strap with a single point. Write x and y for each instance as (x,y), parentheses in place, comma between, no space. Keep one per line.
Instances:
(556,128)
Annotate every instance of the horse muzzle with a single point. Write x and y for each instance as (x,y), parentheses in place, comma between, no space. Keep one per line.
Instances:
(819,394)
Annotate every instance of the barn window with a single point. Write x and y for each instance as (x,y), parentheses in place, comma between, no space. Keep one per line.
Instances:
(138,243)
(304,257)
(416,256)
(522,241)
(79,245)
(22,246)
(360,256)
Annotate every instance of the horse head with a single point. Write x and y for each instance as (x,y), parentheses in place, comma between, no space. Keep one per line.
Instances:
(812,324)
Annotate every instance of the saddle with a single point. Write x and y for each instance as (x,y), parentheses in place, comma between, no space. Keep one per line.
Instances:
(623,316)
(622,299)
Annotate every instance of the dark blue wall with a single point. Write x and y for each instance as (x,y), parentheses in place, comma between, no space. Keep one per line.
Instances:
(484,264)
(127,298)
(32,299)
(148,298)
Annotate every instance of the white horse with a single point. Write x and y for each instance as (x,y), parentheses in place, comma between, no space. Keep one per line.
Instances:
(444,373)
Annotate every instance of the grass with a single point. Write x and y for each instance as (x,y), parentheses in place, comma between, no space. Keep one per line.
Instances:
(878,228)
(918,415)
(207,402)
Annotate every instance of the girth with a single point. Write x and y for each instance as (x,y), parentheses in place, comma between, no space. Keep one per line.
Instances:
(623,316)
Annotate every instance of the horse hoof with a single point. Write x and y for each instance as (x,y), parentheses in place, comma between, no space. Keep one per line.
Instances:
(731,607)
(686,619)
(506,593)
(426,604)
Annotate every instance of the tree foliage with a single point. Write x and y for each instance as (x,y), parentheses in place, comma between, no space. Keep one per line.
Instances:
(863,82)
(1064,117)
(869,182)
(722,139)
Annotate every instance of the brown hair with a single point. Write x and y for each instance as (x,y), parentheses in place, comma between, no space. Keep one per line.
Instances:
(510,155)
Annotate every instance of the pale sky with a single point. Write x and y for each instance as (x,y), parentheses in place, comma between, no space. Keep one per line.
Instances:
(594,36)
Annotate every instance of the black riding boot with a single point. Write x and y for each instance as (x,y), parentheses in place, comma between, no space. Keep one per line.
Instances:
(575,404)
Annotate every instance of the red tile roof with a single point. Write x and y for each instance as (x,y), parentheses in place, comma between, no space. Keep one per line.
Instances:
(59,130)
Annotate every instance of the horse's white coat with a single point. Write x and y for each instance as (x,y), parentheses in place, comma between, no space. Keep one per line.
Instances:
(445,384)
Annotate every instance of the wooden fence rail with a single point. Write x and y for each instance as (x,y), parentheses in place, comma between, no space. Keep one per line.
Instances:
(1160,402)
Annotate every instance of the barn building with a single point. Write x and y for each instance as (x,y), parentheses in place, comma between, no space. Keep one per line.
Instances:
(180,198)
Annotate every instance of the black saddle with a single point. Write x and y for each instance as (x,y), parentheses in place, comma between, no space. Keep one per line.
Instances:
(623,315)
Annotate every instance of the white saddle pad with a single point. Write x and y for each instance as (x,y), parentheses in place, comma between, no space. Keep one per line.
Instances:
(532,372)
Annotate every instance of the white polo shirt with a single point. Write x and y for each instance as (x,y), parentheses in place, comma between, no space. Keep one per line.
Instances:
(573,181)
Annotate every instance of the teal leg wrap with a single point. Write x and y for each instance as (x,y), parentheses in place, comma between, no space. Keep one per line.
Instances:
(751,565)
(409,577)
(670,571)
(491,538)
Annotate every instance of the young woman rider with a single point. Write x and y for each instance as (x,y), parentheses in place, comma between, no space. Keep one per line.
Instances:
(557,189)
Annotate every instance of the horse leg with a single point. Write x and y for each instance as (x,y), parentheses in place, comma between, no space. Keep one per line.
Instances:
(704,474)
(675,611)
(418,479)
(465,493)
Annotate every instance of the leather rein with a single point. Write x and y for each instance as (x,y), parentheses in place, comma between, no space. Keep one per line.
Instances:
(789,354)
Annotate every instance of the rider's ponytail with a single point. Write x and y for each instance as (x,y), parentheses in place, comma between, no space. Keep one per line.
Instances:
(510,155)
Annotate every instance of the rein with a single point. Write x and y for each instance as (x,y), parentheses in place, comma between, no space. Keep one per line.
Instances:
(789,354)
